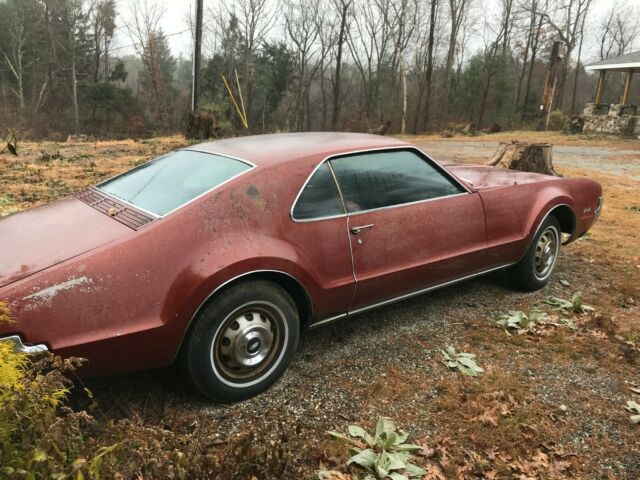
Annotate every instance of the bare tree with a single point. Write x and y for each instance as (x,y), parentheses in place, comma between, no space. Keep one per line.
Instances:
(423,62)
(457,12)
(14,59)
(75,19)
(619,30)
(369,41)
(301,24)
(566,21)
(492,50)
(343,7)
(144,31)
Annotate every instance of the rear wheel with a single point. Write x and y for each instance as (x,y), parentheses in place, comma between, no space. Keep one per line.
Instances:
(534,270)
(242,341)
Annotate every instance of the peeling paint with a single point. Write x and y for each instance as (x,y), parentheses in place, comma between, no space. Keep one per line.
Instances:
(49,293)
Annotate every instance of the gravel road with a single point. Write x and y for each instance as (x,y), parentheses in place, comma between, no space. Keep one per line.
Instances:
(606,160)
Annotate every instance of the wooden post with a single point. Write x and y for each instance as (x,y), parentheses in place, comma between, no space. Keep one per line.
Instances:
(549,87)
(600,88)
(627,87)
(196,57)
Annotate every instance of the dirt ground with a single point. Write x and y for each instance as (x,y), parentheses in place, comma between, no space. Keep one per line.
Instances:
(550,403)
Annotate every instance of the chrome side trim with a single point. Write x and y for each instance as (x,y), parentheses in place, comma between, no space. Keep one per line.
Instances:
(428,159)
(596,212)
(231,280)
(251,164)
(20,347)
(406,296)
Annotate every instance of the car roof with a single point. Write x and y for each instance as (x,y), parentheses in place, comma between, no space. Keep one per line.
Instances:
(282,147)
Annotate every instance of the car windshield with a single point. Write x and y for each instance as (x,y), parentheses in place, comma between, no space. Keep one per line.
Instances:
(168,182)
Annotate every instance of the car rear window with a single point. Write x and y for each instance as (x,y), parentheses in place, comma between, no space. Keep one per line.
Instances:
(166,183)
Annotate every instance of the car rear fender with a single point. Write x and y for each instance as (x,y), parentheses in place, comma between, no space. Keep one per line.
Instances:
(565,214)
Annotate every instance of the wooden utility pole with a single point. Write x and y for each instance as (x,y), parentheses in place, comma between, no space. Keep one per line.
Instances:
(196,56)
(549,86)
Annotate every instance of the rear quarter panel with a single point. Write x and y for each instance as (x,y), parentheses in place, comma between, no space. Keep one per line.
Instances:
(513,212)
(125,306)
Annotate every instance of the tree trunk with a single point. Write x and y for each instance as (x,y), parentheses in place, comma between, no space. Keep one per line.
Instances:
(336,84)
(526,157)
(432,28)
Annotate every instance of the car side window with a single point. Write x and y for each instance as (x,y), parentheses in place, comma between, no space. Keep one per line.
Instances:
(319,198)
(393,177)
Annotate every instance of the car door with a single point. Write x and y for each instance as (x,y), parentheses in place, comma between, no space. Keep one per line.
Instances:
(411,224)
(322,240)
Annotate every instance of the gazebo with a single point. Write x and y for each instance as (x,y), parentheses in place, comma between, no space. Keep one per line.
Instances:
(617,118)
(627,63)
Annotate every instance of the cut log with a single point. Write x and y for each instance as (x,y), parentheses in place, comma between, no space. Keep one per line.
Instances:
(526,157)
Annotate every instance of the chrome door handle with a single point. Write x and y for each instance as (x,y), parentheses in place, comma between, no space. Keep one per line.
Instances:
(357,230)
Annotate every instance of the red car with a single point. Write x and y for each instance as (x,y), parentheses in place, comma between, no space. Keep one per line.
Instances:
(222,253)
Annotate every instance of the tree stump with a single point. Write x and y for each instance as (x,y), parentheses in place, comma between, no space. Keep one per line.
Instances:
(526,157)
(201,126)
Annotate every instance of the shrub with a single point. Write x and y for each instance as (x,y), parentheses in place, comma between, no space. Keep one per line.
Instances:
(556,121)
(40,437)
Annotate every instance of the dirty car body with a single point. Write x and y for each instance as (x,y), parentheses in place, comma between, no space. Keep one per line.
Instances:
(340,223)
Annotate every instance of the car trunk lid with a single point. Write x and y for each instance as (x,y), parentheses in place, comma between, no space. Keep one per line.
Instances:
(39,238)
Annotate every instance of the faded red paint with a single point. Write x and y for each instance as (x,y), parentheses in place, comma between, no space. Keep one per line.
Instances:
(87,285)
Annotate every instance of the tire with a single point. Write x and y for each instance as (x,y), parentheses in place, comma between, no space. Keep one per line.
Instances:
(242,341)
(534,270)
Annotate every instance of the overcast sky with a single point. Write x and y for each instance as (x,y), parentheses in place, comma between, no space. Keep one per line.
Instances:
(177,12)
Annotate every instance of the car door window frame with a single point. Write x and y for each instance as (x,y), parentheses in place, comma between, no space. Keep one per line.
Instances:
(423,156)
(322,217)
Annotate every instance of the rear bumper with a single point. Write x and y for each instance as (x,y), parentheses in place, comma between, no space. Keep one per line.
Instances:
(22,348)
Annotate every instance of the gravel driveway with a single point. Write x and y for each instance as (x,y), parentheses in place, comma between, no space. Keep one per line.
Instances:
(606,160)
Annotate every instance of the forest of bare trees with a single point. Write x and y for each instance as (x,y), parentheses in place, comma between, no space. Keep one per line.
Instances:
(422,65)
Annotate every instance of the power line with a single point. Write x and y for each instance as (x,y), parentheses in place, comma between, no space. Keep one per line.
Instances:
(159,36)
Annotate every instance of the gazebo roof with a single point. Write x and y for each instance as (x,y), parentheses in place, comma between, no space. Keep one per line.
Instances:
(621,63)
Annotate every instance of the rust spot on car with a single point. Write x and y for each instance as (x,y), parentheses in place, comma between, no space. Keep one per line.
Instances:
(254,194)
(46,295)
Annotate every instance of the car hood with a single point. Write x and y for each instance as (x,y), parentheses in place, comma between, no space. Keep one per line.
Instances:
(482,177)
(39,238)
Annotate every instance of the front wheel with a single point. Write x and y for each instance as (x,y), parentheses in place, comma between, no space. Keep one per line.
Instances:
(242,341)
(534,270)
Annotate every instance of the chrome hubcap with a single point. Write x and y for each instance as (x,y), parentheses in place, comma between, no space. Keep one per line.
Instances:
(546,253)
(246,343)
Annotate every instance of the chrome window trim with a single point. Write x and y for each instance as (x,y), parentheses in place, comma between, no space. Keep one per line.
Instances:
(420,153)
(20,347)
(155,215)
(405,296)
(295,200)
(360,212)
